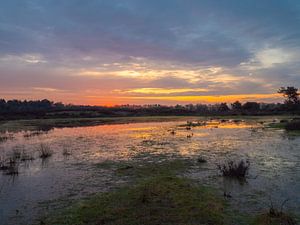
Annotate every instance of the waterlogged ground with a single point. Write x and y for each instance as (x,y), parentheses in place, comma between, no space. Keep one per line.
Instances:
(76,169)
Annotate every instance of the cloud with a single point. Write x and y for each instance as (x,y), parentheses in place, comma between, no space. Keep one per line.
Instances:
(23,59)
(91,48)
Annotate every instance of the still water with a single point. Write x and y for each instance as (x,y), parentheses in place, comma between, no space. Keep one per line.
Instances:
(72,172)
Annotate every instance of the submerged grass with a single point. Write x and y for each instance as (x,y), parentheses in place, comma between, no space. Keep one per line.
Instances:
(157,200)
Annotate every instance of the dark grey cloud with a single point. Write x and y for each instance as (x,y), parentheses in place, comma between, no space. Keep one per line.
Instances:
(203,32)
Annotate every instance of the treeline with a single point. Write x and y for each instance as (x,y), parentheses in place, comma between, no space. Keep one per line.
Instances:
(16,109)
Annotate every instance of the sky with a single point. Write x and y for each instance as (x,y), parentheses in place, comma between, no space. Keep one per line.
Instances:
(109,52)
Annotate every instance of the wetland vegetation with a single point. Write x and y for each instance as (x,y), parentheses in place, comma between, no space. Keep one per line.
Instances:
(186,170)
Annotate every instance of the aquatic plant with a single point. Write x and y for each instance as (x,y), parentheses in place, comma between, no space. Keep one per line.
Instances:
(235,169)
(45,151)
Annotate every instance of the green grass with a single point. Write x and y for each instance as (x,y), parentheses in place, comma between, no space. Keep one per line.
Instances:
(157,200)
(156,193)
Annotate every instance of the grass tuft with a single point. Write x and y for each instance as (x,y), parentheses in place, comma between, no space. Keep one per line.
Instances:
(235,169)
(45,151)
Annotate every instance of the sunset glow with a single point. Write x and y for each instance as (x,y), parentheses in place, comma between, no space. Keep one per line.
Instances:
(148,52)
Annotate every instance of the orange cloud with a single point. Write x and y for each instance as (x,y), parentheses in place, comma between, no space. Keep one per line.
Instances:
(212,99)
(171,100)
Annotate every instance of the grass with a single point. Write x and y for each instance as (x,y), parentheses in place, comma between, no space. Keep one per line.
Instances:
(66,151)
(10,165)
(158,194)
(157,200)
(235,169)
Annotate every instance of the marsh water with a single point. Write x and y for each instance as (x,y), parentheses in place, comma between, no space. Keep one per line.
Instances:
(73,171)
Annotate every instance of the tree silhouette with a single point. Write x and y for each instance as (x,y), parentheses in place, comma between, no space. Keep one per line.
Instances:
(236,106)
(291,94)
(251,106)
(223,107)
